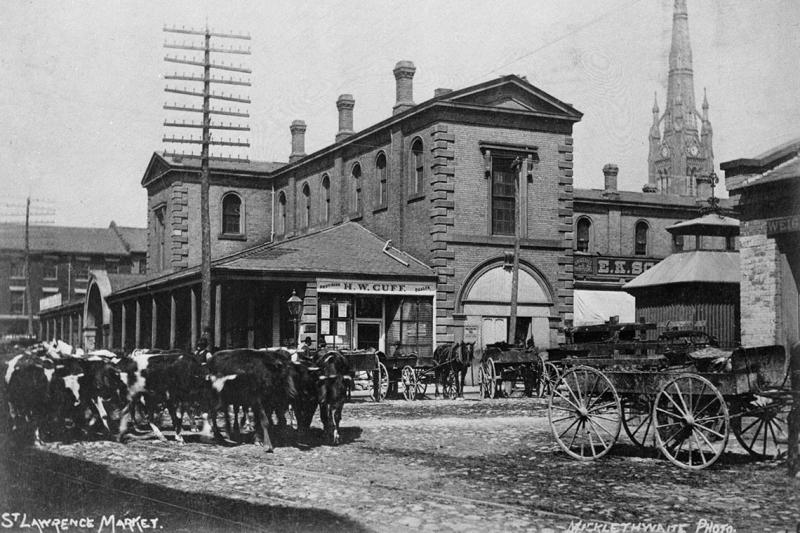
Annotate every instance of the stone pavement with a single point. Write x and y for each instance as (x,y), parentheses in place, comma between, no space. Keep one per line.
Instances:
(458,466)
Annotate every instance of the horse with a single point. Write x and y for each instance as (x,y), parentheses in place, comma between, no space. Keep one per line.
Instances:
(453,358)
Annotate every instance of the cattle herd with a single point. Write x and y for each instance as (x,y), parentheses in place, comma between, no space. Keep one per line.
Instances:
(55,391)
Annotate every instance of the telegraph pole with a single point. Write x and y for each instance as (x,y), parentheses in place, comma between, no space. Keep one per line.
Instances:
(28,302)
(206,141)
(512,327)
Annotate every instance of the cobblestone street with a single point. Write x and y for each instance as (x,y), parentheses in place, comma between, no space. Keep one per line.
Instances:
(448,466)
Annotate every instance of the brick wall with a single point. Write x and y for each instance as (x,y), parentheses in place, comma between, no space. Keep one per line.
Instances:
(760,285)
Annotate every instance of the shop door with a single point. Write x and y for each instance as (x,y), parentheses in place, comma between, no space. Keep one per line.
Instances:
(493,329)
(368,334)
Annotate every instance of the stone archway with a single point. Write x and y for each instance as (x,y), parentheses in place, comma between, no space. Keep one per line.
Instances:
(96,314)
(485,301)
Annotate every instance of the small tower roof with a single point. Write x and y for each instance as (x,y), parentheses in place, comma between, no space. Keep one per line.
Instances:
(709,224)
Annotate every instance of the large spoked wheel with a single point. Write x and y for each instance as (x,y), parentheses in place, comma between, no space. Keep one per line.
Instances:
(409,380)
(691,422)
(380,383)
(761,426)
(486,378)
(637,419)
(548,379)
(585,413)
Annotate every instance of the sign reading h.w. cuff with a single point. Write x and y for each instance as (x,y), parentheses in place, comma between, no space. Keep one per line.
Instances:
(368,286)
(777,226)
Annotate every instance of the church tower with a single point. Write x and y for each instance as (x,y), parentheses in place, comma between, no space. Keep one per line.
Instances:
(680,156)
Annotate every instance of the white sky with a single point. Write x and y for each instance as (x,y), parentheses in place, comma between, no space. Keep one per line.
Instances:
(82,91)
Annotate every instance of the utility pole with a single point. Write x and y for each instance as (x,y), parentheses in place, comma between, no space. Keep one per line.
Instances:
(512,327)
(206,141)
(28,302)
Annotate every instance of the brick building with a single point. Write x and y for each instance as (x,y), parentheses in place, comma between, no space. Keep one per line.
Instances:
(766,189)
(61,259)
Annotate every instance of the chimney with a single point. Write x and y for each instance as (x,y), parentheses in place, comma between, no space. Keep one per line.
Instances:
(440,91)
(610,172)
(403,76)
(298,129)
(345,104)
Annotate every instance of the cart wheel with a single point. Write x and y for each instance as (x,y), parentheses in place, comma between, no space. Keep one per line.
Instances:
(380,383)
(409,383)
(548,379)
(637,419)
(486,379)
(691,422)
(761,426)
(585,413)
(450,389)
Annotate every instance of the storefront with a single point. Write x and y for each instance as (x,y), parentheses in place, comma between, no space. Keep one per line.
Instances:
(380,314)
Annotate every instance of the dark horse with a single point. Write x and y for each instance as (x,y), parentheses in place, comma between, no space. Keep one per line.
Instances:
(453,359)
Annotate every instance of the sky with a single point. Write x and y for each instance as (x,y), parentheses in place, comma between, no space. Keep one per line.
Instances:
(82,87)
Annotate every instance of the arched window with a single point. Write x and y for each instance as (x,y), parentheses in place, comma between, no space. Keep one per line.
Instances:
(381,171)
(325,200)
(231,214)
(640,239)
(281,213)
(417,167)
(355,176)
(584,230)
(306,216)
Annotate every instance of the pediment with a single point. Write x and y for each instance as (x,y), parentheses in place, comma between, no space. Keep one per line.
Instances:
(155,167)
(515,94)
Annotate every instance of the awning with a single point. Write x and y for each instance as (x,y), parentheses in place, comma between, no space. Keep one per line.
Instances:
(596,307)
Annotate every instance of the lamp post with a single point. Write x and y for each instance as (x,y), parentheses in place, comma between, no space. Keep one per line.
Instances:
(295,305)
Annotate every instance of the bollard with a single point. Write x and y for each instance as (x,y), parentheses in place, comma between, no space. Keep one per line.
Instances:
(793,461)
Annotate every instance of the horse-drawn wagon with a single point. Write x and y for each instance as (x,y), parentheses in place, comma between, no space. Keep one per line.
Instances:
(503,366)
(680,393)
(368,372)
(410,374)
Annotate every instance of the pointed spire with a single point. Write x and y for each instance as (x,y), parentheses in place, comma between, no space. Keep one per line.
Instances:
(655,102)
(705,103)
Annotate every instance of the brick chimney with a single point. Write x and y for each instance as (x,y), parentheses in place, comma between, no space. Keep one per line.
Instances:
(345,104)
(404,76)
(440,91)
(610,171)
(298,129)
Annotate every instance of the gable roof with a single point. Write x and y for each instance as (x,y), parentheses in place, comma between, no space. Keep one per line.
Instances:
(346,249)
(708,224)
(75,240)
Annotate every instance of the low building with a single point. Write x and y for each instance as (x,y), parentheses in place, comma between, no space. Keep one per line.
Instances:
(766,190)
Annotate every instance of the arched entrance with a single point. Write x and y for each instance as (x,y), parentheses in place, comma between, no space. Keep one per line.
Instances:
(96,314)
(485,300)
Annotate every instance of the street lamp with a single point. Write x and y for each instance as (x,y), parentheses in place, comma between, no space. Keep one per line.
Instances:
(295,305)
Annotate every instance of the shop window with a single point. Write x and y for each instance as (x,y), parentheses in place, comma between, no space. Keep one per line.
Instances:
(325,200)
(335,324)
(281,229)
(640,244)
(408,328)
(232,214)
(503,197)
(381,176)
(306,215)
(17,303)
(369,307)
(417,168)
(355,179)
(583,234)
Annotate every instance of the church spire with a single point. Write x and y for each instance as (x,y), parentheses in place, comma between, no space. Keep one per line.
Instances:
(680,83)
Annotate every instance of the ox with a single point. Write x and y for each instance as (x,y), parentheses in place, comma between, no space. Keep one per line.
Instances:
(332,385)
(155,378)
(255,379)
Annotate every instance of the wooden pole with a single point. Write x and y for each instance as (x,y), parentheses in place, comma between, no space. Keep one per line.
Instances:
(205,224)
(512,327)
(793,461)
(193,315)
(28,297)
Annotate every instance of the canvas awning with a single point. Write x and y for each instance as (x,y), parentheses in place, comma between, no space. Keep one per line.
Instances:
(596,307)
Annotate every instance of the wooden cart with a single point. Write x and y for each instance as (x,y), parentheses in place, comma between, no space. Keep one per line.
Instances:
(368,372)
(503,364)
(687,406)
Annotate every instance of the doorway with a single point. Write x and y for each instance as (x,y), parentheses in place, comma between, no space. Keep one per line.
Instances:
(368,334)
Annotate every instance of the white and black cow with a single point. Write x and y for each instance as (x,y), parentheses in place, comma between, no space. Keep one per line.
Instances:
(156,378)
(41,390)
(256,379)
(334,373)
